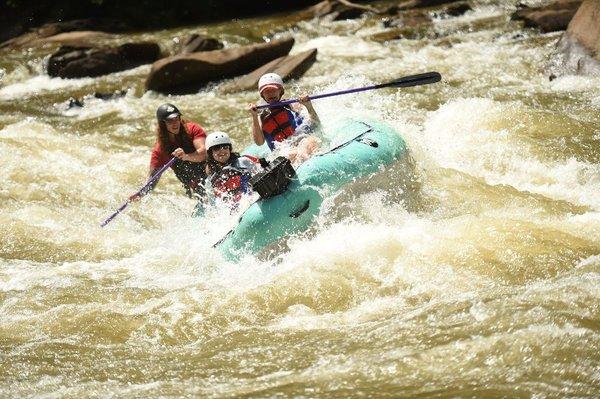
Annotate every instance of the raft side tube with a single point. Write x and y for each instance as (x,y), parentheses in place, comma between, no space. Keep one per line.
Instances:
(365,148)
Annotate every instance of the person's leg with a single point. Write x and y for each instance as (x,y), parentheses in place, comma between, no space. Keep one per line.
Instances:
(307,147)
(292,155)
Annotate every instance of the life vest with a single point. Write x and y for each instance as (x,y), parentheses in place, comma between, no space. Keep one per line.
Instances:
(231,182)
(191,174)
(279,124)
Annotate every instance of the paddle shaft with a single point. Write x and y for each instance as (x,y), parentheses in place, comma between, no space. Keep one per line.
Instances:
(150,181)
(407,81)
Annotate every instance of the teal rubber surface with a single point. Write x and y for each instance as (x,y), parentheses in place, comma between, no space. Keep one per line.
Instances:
(366,147)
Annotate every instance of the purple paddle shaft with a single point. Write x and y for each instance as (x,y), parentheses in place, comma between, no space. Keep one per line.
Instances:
(407,81)
(151,180)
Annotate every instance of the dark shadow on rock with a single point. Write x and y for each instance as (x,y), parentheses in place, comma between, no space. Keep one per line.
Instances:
(456,10)
(17,17)
(197,43)
(75,103)
(407,5)
(80,102)
(337,10)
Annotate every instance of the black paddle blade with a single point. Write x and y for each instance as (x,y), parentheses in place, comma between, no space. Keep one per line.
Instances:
(415,80)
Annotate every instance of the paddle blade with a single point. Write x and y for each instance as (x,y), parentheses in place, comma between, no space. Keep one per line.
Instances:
(416,80)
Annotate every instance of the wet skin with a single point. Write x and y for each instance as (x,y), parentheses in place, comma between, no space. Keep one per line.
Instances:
(221,155)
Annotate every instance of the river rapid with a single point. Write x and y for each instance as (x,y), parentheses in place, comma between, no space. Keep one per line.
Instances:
(484,284)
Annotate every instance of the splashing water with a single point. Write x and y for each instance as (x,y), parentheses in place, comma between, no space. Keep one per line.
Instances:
(486,284)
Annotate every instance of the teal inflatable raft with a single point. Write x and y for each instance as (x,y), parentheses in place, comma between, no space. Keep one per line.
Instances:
(366,147)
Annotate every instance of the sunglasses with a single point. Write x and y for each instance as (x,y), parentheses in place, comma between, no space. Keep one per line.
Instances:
(219,147)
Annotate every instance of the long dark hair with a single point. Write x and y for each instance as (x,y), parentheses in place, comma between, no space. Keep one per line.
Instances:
(213,166)
(182,139)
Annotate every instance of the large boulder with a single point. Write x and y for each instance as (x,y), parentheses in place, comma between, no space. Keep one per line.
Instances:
(288,67)
(78,62)
(549,18)
(187,73)
(59,29)
(579,46)
(83,38)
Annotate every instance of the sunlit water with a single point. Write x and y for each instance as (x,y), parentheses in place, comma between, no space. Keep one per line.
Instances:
(485,283)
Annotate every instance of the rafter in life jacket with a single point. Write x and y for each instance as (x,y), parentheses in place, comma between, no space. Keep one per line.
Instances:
(191,174)
(231,182)
(279,123)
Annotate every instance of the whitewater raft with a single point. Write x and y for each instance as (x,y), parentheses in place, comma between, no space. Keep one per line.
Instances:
(365,148)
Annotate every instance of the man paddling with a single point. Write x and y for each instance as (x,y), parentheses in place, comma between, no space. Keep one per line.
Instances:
(184,140)
(291,123)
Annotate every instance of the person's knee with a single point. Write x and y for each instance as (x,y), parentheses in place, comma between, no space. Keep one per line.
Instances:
(311,144)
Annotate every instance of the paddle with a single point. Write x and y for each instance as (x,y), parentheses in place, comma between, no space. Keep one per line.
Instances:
(151,180)
(406,81)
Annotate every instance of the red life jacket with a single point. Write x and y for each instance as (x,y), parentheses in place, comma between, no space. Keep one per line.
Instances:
(228,185)
(278,124)
(231,182)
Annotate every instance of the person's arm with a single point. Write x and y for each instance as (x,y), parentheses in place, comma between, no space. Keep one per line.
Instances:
(197,156)
(257,133)
(198,136)
(314,117)
(200,154)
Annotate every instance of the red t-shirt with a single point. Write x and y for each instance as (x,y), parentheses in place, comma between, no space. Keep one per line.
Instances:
(160,157)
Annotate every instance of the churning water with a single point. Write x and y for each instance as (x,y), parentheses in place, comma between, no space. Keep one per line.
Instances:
(485,284)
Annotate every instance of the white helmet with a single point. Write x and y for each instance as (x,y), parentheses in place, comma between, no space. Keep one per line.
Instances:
(269,80)
(217,138)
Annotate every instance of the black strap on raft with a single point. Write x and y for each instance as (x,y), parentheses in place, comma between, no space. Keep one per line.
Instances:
(263,162)
(274,179)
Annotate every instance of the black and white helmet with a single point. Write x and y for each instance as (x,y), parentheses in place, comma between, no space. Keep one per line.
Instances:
(166,112)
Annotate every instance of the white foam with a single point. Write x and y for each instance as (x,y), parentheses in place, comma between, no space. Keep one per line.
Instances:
(43,83)
(344,46)
(39,84)
(126,107)
(574,84)
(456,136)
